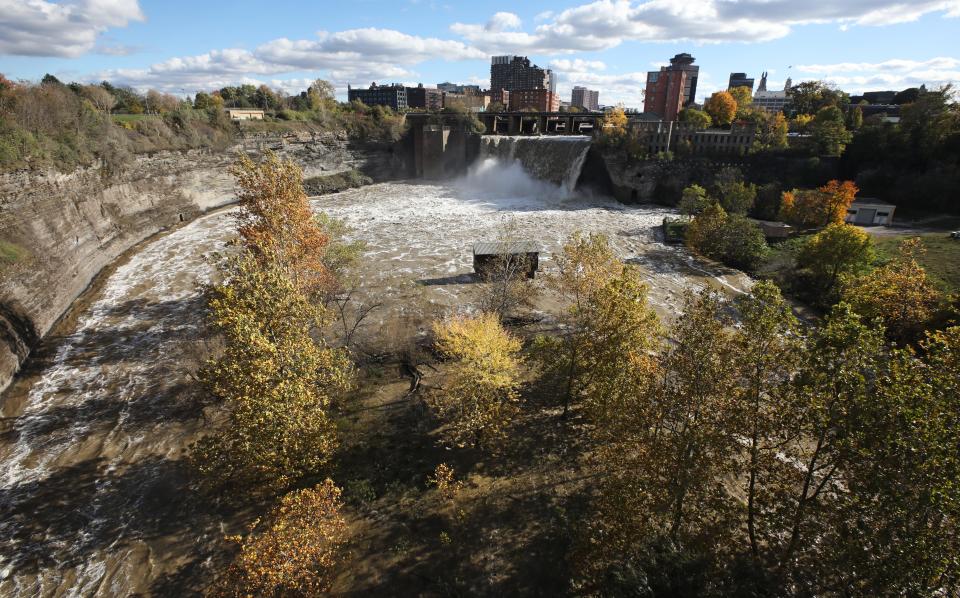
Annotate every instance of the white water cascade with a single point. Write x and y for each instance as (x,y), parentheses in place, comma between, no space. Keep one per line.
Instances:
(558,160)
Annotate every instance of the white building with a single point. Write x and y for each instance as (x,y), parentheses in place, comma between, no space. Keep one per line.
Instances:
(870,212)
(771,101)
(244,114)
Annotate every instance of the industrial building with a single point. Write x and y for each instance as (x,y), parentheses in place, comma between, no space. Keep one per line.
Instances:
(394,96)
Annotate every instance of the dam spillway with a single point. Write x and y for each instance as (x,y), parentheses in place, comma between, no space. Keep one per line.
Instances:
(558,160)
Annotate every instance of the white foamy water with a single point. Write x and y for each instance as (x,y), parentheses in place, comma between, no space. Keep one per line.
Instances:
(92,494)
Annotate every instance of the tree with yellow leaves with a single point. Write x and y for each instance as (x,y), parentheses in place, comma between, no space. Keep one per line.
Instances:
(480,395)
(296,551)
(898,293)
(584,266)
(613,125)
(273,379)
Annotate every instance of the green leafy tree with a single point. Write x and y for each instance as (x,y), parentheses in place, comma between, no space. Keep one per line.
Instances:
(838,250)
(767,353)
(809,97)
(694,200)
(697,118)
(705,233)
(898,293)
(829,131)
(584,266)
(737,197)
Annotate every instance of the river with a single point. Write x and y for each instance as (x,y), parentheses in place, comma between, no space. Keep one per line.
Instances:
(93,495)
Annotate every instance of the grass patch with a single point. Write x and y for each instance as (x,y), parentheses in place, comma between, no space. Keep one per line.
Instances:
(942,259)
(132,118)
(11,254)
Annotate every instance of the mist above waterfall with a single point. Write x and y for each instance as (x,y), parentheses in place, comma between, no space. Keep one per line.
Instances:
(544,167)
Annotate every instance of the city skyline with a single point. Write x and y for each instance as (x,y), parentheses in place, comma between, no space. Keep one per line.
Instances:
(606,45)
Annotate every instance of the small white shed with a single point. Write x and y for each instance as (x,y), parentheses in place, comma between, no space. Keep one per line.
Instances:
(870,212)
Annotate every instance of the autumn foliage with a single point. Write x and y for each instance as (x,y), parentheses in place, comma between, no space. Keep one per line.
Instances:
(276,222)
(721,107)
(820,207)
(479,398)
(293,552)
(897,293)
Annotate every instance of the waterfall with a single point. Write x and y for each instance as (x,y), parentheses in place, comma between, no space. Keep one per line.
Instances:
(558,160)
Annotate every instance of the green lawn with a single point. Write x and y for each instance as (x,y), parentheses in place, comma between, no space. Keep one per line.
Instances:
(10,254)
(942,259)
(127,118)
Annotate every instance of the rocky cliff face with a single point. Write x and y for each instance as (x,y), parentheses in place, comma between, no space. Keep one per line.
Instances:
(62,229)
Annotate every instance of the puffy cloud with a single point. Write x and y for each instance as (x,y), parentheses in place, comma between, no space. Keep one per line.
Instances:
(353,56)
(577,65)
(345,48)
(857,77)
(604,24)
(66,29)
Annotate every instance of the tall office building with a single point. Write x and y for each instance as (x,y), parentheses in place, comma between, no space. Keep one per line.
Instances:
(672,88)
(740,80)
(588,99)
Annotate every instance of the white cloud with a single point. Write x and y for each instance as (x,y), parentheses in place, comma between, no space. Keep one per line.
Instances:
(356,56)
(604,24)
(577,65)
(503,21)
(856,77)
(66,29)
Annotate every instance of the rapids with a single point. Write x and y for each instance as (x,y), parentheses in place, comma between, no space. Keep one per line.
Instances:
(94,497)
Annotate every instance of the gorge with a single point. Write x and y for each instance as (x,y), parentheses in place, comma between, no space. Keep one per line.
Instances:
(95,426)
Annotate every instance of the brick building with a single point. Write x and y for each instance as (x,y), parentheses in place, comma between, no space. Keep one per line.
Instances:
(541,100)
(671,88)
(427,98)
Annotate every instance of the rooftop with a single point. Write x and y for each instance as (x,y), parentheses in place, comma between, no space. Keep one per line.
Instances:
(504,247)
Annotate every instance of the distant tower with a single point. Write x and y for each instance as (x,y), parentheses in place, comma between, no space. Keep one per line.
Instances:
(763,82)
(788,84)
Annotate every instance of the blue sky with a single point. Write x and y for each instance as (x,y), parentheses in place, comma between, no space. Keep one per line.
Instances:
(181,47)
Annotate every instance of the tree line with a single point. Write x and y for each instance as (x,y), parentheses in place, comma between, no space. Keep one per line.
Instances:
(737,452)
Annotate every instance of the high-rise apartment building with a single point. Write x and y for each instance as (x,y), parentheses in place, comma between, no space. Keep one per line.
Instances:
(740,80)
(515,74)
(588,99)
(671,88)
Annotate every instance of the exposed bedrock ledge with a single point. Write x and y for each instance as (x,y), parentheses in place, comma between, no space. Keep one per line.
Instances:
(65,228)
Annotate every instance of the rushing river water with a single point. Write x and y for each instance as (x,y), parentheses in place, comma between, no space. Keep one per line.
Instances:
(93,497)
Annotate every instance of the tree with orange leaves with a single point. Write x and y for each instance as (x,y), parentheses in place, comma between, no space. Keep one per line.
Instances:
(818,207)
(277,223)
(722,107)
(296,551)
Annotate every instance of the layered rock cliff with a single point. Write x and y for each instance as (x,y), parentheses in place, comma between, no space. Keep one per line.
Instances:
(59,230)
